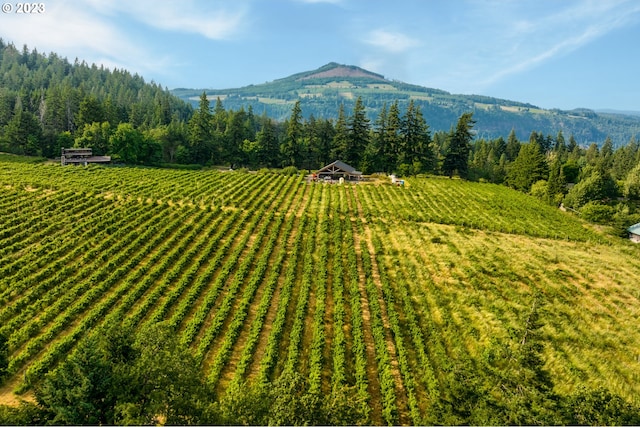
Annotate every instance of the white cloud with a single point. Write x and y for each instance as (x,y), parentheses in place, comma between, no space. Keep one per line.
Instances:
(195,17)
(92,30)
(65,27)
(529,43)
(392,42)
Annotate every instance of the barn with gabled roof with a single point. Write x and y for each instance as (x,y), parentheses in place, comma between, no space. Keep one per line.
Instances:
(339,169)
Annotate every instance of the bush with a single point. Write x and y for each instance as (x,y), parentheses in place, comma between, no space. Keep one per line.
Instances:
(289,171)
(598,213)
(595,187)
(599,407)
(539,190)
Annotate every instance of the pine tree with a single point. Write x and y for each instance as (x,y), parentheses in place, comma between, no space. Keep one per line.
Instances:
(556,184)
(358,135)
(201,132)
(376,149)
(457,157)
(513,146)
(416,140)
(268,147)
(291,148)
(529,167)
(393,138)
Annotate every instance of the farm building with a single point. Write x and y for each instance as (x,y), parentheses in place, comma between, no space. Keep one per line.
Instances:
(338,170)
(83,156)
(634,233)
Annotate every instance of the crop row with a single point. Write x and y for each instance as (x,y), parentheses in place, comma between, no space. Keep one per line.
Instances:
(272,227)
(66,310)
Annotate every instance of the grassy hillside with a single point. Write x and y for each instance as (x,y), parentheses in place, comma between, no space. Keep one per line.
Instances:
(322,91)
(408,294)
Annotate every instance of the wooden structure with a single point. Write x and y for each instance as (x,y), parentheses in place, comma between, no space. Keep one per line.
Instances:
(634,233)
(338,170)
(81,156)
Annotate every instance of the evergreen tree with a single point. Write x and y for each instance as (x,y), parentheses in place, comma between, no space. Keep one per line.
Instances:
(592,154)
(201,132)
(292,145)
(358,135)
(560,147)
(236,132)
(23,132)
(416,140)
(393,138)
(556,184)
(529,167)
(90,111)
(606,154)
(268,145)
(513,146)
(624,159)
(81,391)
(374,154)
(457,157)
(326,134)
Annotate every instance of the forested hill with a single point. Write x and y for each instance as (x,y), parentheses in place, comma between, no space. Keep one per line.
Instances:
(322,91)
(47,101)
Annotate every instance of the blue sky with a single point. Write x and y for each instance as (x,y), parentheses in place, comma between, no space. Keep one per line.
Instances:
(552,53)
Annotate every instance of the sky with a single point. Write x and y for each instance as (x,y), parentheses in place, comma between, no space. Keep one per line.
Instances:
(551,53)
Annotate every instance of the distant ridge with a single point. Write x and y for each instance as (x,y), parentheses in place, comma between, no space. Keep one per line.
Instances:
(323,90)
(336,70)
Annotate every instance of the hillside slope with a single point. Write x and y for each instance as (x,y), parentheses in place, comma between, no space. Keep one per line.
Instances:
(419,297)
(321,92)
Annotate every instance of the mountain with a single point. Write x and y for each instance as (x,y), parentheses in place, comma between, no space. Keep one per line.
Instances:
(321,92)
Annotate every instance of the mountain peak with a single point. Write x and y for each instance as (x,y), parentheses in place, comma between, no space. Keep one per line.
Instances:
(335,70)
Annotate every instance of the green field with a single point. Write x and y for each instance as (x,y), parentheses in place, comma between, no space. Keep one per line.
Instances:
(394,290)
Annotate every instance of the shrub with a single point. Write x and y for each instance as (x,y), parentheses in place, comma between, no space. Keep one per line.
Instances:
(598,213)
(289,171)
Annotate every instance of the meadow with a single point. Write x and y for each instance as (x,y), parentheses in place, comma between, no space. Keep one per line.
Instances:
(391,290)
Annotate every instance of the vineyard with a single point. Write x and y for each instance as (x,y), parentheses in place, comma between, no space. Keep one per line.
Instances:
(387,289)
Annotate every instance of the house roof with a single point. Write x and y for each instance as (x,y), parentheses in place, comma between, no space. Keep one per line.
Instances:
(634,229)
(339,166)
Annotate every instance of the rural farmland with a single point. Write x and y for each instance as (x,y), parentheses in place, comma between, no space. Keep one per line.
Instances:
(399,292)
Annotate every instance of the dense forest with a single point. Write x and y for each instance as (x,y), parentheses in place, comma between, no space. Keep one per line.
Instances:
(47,103)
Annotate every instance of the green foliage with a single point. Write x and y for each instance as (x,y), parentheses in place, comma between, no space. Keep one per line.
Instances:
(287,401)
(25,414)
(596,187)
(530,166)
(557,183)
(113,378)
(540,189)
(599,407)
(597,212)
(289,171)
(4,357)
(457,156)
(82,390)
(357,135)
(632,184)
